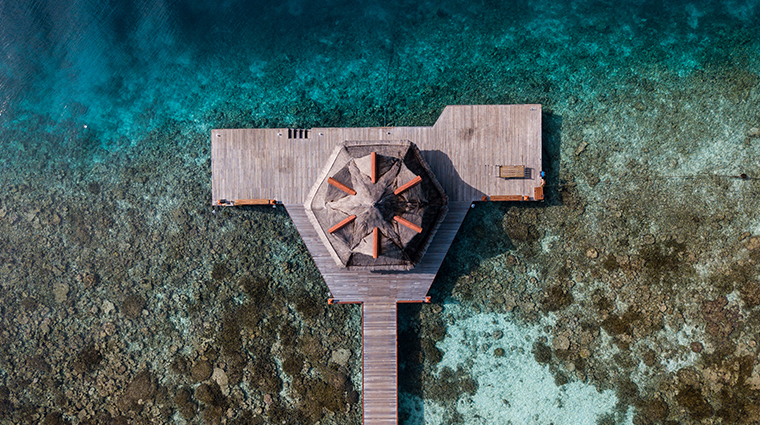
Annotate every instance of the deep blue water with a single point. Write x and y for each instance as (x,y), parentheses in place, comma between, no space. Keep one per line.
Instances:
(94,93)
(125,68)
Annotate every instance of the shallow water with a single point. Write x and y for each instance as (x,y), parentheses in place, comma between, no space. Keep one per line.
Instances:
(630,296)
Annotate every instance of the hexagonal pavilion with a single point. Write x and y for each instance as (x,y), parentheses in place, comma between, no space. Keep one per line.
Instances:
(377,205)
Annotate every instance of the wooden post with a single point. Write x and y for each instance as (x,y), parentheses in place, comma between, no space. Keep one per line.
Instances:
(408,224)
(411,183)
(375,242)
(374,167)
(341,186)
(342,223)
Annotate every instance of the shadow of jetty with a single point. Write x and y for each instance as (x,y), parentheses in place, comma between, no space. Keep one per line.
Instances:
(488,231)
(551,141)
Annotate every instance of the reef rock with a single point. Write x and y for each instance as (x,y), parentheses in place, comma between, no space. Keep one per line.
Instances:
(340,356)
(721,321)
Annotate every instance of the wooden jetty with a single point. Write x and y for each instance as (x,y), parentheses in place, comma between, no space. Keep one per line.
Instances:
(476,152)
(379,362)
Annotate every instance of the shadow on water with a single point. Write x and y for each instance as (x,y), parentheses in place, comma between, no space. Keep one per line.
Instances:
(410,364)
(482,236)
(551,132)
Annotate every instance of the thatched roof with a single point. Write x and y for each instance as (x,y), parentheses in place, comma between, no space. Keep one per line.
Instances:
(397,216)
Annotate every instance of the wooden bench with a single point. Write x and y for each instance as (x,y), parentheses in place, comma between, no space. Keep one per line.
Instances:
(241,202)
(538,193)
(509,198)
(512,171)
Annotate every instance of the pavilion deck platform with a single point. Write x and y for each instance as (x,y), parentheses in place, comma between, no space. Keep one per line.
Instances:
(466,149)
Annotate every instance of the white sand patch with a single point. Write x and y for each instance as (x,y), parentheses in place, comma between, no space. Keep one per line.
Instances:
(514,388)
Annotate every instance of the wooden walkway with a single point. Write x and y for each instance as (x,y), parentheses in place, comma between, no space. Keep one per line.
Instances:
(464,149)
(379,362)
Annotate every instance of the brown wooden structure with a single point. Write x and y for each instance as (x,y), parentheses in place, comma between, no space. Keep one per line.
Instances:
(477,152)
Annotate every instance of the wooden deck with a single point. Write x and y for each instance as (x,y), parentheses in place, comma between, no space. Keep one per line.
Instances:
(359,284)
(465,149)
(379,362)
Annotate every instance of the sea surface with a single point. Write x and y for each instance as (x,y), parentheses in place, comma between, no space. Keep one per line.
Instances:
(630,296)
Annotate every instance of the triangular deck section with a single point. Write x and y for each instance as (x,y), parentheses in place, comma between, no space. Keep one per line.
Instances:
(356,284)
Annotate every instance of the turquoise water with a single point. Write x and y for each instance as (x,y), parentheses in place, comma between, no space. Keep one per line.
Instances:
(630,296)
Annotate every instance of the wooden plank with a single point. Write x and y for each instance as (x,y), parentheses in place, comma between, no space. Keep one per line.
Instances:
(406,186)
(341,186)
(408,223)
(373,167)
(375,242)
(342,223)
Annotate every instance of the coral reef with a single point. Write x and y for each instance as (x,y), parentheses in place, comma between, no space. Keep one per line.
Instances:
(630,295)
